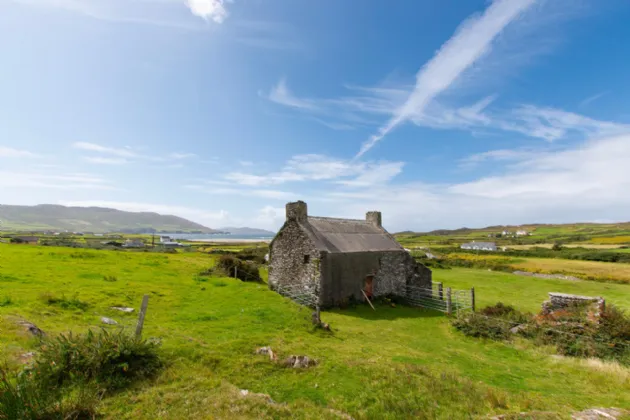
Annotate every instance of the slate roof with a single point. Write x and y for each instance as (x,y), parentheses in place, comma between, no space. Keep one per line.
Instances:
(349,235)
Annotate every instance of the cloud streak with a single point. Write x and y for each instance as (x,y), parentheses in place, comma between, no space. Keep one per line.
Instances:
(124,155)
(9,152)
(472,40)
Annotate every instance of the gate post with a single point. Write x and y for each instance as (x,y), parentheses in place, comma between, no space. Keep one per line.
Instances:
(449,302)
(440,291)
(472,298)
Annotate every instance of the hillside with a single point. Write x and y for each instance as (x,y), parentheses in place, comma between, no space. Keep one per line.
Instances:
(246,231)
(92,219)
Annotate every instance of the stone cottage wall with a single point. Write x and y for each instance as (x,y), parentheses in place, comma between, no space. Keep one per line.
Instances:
(286,260)
(344,275)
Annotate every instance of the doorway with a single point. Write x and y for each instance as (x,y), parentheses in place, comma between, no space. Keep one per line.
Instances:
(367,288)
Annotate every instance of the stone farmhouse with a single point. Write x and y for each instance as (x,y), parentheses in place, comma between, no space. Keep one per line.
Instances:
(338,260)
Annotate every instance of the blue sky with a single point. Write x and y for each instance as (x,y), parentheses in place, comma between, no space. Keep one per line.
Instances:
(440,114)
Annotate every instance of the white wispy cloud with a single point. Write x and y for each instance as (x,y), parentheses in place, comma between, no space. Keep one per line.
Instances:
(106,160)
(315,167)
(92,147)
(144,12)
(123,155)
(57,181)
(9,152)
(282,95)
(471,41)
(593,98)
(208,9)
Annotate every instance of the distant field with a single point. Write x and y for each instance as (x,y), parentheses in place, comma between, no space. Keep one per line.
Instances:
(589,270)
(527,293)
(386,364)
(611,247)
(611,240)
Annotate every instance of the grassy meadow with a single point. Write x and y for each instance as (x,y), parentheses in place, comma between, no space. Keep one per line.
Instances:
(395,362)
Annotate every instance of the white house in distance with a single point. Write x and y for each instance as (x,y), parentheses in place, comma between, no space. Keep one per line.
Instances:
(480,246)
(168,242)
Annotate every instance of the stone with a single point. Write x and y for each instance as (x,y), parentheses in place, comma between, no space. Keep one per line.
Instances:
(248,393)
(267,350)
(599,414)
(518,328)
(27,357)
(297,362)
(123,309)
(32,329)
(108,321)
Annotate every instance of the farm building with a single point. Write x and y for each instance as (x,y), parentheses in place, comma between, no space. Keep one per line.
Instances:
(27,240)
(480,246)
(337,260)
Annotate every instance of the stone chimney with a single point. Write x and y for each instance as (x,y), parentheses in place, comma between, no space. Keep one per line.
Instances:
(297,211)
(375,218)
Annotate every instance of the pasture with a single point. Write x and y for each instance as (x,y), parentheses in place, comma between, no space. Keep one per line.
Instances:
(395,362)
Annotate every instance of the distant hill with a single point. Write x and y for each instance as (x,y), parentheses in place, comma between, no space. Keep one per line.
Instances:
(248,231)
(92,219)
(530,227)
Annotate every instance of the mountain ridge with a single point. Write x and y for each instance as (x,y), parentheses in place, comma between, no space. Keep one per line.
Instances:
(247,231)
(93,219)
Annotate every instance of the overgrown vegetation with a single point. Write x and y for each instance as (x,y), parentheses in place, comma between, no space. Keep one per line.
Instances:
(72,372)
(232,266)
(111,360)
(22,397)
(572,331)
(64,302)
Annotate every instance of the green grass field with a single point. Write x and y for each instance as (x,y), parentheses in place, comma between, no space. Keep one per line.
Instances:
(390,363)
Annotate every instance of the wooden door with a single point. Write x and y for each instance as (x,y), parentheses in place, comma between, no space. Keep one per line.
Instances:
(369,280)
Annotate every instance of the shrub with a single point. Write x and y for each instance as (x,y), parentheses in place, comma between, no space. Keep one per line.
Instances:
(478,325)
(5,301)
(65,303)
(235,267)
(255,255)
(111,360)
(22,397)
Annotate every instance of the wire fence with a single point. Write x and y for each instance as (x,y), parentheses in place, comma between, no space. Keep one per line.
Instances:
(302,294)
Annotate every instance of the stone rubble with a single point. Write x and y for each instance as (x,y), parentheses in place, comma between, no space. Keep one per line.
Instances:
(108,321)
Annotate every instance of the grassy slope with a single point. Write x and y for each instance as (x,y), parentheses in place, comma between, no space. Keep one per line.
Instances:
(527,293)
(381,364)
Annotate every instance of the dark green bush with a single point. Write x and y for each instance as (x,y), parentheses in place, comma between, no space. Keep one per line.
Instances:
(111,360)
(255,255)
(6,301)
(65,303)
(478,325)
(22,397)
(571,330)
(235,267)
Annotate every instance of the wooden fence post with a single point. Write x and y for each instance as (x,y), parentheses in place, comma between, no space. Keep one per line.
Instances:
(143,312)
(449,302)
(440,291)
(235,272)
(472,298)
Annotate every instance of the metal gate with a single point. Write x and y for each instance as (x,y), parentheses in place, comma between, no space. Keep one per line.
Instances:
(441,299)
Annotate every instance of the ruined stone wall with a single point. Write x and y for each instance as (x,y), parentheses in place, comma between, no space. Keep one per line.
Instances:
(287,264)
(421,276)
(562,301)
